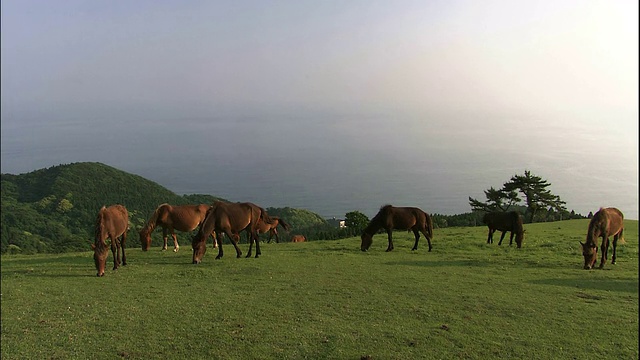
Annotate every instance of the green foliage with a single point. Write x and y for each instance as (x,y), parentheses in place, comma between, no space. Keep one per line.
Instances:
(536,196)
(54,209)
(356,220)
(328,300)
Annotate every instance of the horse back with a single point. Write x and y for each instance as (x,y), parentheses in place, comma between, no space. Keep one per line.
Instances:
(606,222)
(113,220)
(504,221)
(404,218)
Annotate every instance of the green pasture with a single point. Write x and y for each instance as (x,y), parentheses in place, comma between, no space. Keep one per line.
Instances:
(328,300)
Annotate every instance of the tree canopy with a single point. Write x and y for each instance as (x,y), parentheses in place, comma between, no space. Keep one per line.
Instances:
(534,189)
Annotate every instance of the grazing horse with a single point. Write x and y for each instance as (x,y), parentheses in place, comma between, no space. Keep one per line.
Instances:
(606,222)
(182,218)
(298,238)
(229,219)
(264,227)
(504,221)
(398,218)
(112,222)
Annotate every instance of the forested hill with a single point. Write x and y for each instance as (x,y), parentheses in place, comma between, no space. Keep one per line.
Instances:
(54,209)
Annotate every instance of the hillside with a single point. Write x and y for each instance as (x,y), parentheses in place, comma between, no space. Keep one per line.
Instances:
(54,209)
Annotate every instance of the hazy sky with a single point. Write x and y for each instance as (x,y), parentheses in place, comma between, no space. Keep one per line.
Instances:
(527,83)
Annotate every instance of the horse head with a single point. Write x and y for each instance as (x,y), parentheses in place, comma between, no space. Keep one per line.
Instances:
(145,239)
(100,253)
(199,245)
(367,239)
(590,253)
(520,238)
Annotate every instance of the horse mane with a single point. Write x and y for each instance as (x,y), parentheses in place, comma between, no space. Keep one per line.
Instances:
(595,226)
(151,223)
(99,228)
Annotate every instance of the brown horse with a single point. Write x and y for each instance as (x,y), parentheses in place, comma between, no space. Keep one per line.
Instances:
(298,238)
(112,222)
(605,223)
(264,227)
(182,218)
(504,221)
(398,218)
(229,219)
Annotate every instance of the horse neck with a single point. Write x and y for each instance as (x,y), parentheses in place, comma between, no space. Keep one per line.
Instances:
(593,233)
(372,228)
(100,232)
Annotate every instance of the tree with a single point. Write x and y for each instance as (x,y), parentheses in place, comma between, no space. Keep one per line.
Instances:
(356,221)
(495,201)
(535,191)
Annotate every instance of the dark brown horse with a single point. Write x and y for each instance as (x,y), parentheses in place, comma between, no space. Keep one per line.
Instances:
(504,221)
(229,219)
(398,218)
(264,227)
(182,218)
(606,222)
(112,222)
(298,238)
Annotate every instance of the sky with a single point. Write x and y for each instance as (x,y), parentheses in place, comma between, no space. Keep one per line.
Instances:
(453,86)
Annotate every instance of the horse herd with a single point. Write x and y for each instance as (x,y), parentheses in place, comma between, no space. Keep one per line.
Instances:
(232,218)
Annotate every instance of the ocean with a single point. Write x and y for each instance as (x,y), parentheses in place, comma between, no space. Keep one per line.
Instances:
(327,167)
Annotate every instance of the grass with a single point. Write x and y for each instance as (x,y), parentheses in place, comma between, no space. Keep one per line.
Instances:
(328,300)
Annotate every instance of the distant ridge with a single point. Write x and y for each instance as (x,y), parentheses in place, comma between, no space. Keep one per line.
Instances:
(54,209)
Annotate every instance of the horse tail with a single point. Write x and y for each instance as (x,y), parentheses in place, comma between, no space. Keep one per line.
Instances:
(265,217)
(429,223)
(516,221)
(284,225)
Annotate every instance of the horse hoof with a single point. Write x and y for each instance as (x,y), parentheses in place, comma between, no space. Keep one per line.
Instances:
(175,250)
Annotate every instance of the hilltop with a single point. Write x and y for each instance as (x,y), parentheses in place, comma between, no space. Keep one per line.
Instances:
(54,209)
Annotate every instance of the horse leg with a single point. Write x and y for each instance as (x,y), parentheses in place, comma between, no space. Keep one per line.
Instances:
(123,243)
(502,237)
(176,246)
(257,240)
(603,248)
(490,237)
(215,239)
(234,240)
(511,238)
(218,239)
(164,238)
(390,247)
(275,232)
(114,251)
(424,232)
(615,245)
(417,235)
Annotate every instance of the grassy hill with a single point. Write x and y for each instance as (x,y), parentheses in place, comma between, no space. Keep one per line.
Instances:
(328,300)
(54,209)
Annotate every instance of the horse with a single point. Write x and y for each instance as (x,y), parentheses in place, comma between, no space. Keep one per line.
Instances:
(606,222)
(112,222)
(398,218)
(229,219)
(183,218)
(272,228)
(298,238)
(504,221)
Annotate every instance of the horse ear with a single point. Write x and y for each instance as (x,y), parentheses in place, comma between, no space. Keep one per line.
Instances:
(581,243)
(93,246)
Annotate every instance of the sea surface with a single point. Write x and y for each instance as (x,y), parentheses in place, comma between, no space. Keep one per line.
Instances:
(328,167)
